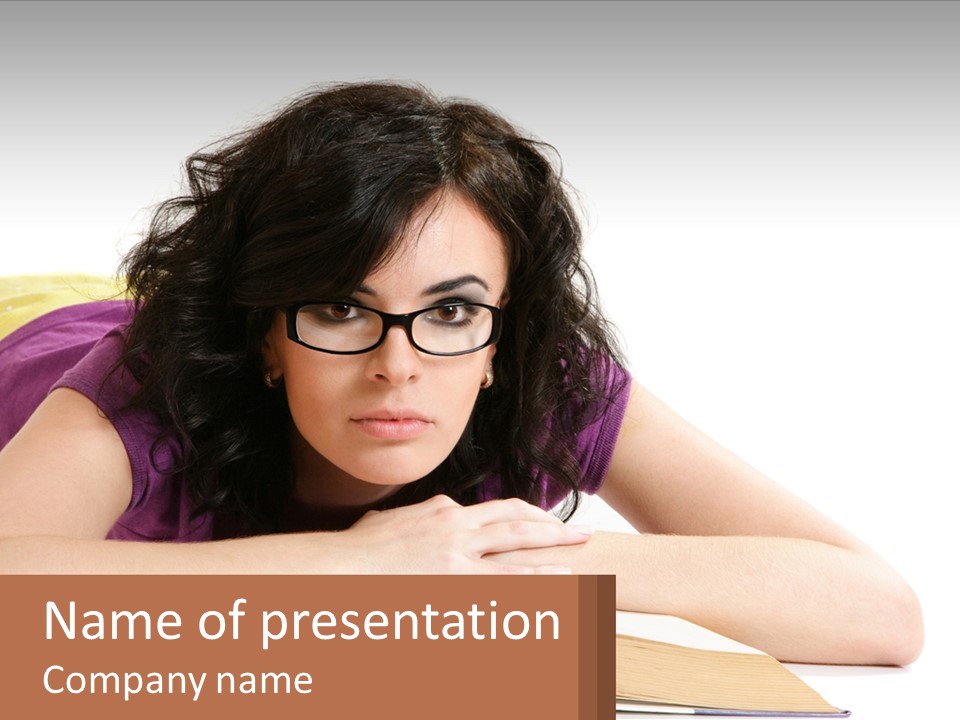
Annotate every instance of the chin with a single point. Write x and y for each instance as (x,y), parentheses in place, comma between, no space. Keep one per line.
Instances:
(392,464)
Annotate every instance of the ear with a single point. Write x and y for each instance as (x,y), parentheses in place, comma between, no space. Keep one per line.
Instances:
(504,299)
(488,374)
(271,348)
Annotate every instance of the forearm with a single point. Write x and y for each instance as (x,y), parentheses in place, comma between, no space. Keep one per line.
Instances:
(796,599)
(435,536)
(274,554)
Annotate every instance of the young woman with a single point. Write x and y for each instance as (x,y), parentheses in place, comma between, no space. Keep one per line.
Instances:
(365,342)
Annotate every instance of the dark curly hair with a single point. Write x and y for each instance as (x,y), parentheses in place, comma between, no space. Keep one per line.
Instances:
(307,205)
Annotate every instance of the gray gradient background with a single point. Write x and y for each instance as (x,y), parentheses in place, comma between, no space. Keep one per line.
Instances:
(785,175)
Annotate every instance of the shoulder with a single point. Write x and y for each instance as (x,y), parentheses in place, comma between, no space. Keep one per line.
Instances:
(667,476)
(64,473)
(72,472)
(62,372)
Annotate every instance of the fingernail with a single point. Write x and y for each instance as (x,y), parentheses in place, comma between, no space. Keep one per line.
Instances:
(584,529)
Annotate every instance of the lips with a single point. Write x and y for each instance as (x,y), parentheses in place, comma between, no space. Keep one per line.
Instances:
(392,424)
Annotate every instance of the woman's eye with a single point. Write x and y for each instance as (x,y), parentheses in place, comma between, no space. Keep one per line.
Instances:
(339,312)
(451,313)
(330,312)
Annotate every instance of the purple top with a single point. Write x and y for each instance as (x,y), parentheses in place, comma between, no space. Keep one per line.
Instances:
(76,346)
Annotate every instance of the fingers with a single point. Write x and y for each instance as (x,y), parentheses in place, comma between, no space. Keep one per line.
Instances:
(525,535)
(439,535)
(491,511)
(512,509)
(512,524)
(501,526)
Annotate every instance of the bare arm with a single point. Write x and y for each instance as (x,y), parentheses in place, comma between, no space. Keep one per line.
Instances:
(65,479)
(724,546)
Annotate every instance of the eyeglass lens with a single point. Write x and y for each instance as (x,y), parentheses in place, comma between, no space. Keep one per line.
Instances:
(348,328)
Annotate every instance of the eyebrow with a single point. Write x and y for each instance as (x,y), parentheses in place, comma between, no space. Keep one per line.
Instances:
(440,287)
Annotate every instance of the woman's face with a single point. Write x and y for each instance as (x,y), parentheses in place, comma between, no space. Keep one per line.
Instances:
(389,416)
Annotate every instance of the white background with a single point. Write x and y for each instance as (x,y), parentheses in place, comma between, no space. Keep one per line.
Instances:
(770,191)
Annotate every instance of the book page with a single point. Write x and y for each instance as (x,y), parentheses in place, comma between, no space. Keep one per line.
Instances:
(670,629)
(664,660)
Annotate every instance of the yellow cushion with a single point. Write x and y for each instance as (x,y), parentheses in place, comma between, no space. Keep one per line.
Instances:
(25,297)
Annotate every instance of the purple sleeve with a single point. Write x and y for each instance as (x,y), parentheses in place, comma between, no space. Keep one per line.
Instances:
(596,442)
(34,356)
(595,445)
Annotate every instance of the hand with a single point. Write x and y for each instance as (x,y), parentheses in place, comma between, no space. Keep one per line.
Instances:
(441,536)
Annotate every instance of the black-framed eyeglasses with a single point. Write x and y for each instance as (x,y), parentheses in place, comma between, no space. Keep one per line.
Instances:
(344,328)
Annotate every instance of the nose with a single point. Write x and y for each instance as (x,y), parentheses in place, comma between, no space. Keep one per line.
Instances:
(395,361)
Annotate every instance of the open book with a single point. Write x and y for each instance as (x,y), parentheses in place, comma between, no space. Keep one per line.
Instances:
(667,665)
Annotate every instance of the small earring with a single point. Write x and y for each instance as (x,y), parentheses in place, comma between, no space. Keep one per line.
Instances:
(487,377)
(270,382)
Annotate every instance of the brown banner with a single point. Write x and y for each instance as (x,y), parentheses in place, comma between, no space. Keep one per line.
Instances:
(307,647)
